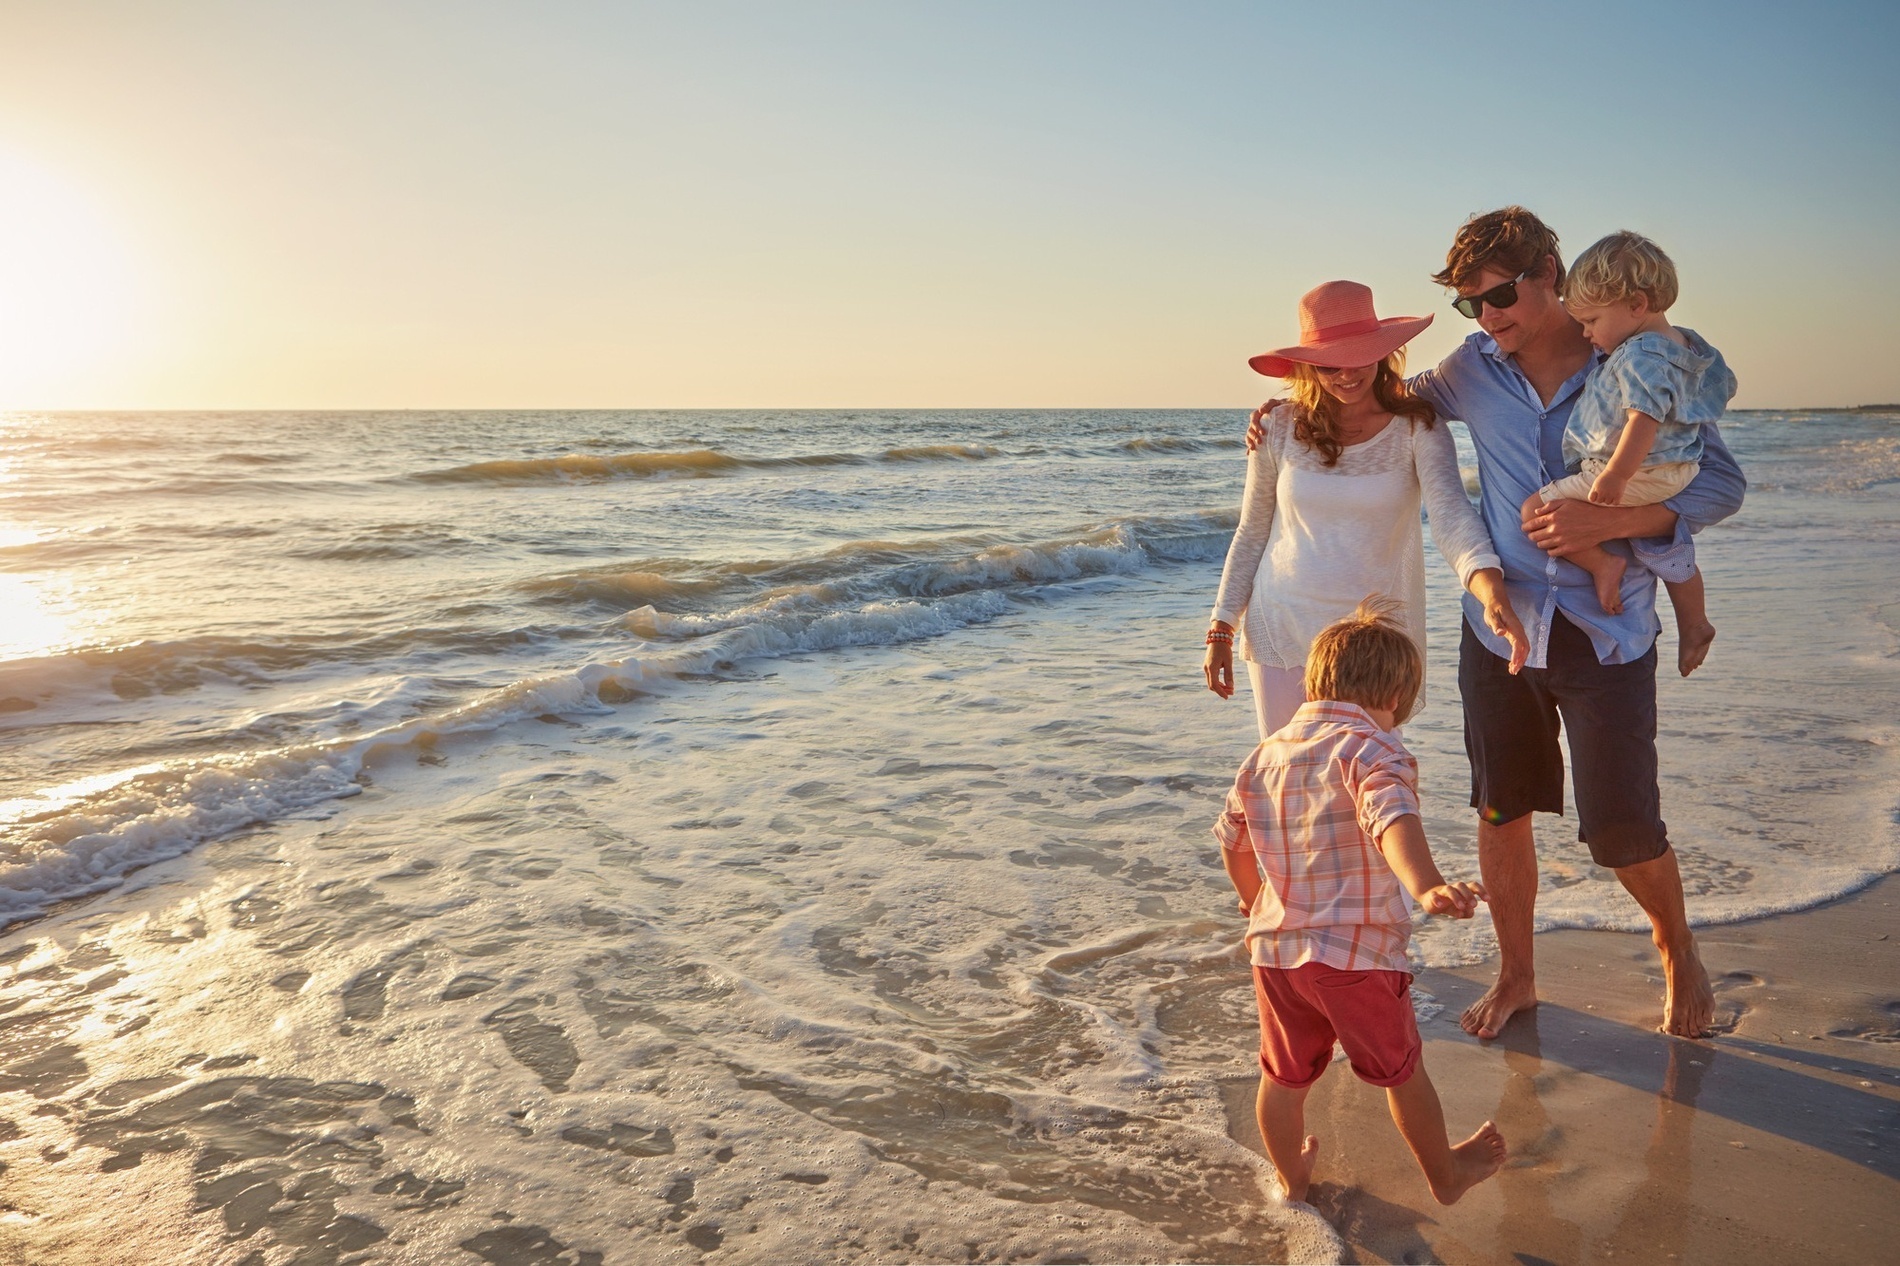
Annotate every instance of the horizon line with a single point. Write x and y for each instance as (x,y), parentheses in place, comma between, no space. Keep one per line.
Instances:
(1890,407)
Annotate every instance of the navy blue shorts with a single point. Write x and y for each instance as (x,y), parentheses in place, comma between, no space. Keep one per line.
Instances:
(1607,714)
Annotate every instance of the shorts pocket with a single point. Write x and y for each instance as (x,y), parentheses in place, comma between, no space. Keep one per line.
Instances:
(1342,979)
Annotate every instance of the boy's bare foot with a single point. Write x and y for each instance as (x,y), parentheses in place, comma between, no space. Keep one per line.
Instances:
(1692,646)
(1473,1161)
(1688,1001)
(1295,1184)
(1485,1017)
(1608,574)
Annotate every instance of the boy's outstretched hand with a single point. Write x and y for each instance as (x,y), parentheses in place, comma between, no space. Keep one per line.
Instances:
(1459,900)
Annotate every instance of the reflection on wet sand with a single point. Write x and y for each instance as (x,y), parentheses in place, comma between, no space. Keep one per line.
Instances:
(1652,1227)
(1535,1230)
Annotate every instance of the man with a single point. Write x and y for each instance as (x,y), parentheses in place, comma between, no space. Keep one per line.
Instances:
(1513,384)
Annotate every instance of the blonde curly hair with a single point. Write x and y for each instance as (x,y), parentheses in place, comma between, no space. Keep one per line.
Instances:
(1622,266)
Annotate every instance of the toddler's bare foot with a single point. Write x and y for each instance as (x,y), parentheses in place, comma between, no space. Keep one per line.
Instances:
(1295,1184)
(1692,646)
(1609,577)
(1473,1161)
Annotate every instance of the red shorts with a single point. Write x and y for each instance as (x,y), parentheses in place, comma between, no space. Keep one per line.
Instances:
(1303,1009)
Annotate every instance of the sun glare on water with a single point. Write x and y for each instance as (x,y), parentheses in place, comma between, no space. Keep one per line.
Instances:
(67,288)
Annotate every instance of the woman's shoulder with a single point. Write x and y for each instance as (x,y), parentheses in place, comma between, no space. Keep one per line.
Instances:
(1277,427)
(1283,419)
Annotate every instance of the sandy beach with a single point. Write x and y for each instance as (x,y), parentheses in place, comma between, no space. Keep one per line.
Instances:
(1776,1141)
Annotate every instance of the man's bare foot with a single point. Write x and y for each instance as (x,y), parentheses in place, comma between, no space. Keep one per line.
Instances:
(1473,1161)
(1688,1001)
(1294,1185)
(1692,646)
(1608,574)
(1486,1017)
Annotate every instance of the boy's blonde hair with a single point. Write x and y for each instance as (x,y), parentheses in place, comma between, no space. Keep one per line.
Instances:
(1622,266)
(1367,659)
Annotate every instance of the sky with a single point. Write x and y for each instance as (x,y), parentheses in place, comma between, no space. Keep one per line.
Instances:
(227,204)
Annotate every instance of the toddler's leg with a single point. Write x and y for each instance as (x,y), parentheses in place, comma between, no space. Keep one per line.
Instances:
(1451,1171)
(1282,1115)
(1693,630)
(1605,568)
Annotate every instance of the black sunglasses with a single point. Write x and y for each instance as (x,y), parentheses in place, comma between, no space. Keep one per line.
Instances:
(1497,296)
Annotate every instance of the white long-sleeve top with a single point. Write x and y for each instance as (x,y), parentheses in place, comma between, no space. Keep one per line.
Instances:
(1314,540)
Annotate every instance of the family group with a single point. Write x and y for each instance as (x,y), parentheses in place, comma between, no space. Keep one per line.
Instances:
(1594,423)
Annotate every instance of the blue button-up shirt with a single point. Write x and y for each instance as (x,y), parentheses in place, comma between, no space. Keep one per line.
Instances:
(1519,440)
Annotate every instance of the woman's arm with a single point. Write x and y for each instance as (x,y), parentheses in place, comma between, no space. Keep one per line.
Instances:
(1243,562)
(1457,528)
(1459,533)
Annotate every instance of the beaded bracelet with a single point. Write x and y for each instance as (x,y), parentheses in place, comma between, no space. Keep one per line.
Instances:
(1216,635)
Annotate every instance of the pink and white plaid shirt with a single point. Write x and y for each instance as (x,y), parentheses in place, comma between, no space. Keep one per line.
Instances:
(1311,802)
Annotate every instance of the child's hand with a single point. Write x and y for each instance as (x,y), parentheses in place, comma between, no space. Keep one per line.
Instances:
(1459,900)
(1607,489)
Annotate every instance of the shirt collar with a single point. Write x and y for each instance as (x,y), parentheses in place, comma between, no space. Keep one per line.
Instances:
(1488,346)
(1337,712)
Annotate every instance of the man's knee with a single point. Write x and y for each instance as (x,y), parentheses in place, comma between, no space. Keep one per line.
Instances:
(1516,831)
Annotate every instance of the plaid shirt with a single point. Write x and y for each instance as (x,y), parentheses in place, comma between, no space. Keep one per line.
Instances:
(1311,802)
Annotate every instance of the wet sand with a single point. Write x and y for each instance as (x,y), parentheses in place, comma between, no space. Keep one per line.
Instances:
(1776,1141)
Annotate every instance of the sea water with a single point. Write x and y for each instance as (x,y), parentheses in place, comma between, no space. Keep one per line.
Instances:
(640,836)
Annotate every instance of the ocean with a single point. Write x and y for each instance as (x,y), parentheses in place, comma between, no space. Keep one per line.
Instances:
(579,837)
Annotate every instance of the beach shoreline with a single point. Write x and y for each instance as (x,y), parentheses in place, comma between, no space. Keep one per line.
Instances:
(1776,1140)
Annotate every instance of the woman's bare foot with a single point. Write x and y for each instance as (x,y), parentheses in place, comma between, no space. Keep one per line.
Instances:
(1688,1001)
(1473,1161)
(1692,646)
(1295,1184)
(1485,1017)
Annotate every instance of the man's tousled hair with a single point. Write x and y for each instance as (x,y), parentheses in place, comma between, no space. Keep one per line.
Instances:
(1511,241)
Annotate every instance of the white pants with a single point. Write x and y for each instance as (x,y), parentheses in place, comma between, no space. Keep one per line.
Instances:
(1277,695)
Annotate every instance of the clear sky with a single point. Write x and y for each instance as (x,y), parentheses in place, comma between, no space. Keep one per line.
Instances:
(263,203)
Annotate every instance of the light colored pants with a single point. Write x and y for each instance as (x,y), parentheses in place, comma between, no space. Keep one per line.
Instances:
(1652,485)
(1277,695)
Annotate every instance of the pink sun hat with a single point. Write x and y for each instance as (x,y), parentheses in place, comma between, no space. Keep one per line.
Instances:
(1338,327)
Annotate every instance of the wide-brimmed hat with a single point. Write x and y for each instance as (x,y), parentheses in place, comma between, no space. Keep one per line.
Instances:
(1338,327)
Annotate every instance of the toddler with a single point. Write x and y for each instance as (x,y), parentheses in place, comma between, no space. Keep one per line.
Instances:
(1635,434)
(1320,831)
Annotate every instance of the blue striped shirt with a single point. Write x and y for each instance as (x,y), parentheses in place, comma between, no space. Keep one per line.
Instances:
(1519,440)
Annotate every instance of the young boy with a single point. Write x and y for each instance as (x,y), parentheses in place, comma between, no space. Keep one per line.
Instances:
(1635,436)
(1328,809)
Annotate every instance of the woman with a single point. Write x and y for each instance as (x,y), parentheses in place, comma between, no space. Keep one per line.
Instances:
(1331,508)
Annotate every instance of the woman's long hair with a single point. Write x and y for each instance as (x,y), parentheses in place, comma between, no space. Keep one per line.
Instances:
(1318,425)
